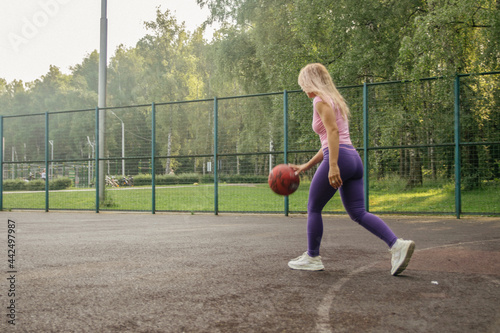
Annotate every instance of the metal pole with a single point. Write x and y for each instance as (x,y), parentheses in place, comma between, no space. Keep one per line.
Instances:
(153,157)
(97,163)
(46,161)
(90,171)
(366,128)
(285,140)
(103,55)
(123,149)
(458,156)
(51,159)
(216,181)
(123,143)
(1,163)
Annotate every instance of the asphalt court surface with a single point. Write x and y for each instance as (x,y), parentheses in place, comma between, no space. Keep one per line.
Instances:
(128,272)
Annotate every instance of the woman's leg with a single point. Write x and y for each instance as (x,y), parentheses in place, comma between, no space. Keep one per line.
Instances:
(352,194)
(320,192)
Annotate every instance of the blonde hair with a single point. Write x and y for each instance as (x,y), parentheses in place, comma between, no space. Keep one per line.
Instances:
(314,78)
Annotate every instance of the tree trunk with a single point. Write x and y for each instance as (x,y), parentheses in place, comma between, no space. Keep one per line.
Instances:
(415,176)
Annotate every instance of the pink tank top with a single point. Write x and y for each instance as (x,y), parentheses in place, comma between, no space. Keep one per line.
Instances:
(319,128)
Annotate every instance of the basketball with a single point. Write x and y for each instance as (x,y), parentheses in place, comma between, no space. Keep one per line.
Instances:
(283,180)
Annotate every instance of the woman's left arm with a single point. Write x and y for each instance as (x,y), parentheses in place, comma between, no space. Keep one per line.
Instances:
(329,120)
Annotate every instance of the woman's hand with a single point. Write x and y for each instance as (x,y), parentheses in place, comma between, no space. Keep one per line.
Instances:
(298,168)
(334,176)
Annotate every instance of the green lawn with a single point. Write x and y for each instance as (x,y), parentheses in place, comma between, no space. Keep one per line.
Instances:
(255,198)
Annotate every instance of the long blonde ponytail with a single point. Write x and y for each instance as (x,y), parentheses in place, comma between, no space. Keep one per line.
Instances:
(314,78)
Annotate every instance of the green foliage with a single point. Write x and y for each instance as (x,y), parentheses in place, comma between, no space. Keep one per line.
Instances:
(60,183)
(109,201)
(262,44)
(36,185)
(260,47)
(243,179)
(449,37)
(187,178)
(259,198)
(14,185)
(191,178)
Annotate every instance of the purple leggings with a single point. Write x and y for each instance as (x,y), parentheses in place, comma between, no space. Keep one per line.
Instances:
(351,193)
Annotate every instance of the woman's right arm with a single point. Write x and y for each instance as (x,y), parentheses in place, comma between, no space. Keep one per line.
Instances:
(306,166)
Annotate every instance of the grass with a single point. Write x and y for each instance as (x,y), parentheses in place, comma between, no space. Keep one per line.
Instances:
(257,198)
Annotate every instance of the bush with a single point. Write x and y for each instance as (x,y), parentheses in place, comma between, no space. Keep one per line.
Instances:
(36,185)
(185,178)
(235,179)
(14,185)
(165,179)
(207,179)
(60,183)
(190,178)
(141,180)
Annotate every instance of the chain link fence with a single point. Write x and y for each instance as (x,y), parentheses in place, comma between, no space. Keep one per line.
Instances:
(429,147)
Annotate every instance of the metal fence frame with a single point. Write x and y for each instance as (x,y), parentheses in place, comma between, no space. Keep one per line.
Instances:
(457,144)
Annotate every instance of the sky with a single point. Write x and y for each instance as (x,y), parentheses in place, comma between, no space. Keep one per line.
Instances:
(35,34)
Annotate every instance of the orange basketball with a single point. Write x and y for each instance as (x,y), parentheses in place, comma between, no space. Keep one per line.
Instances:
(283,180)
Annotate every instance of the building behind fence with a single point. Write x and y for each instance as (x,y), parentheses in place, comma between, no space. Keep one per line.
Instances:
(429,147)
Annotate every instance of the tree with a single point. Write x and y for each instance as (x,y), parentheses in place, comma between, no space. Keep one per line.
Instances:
(449,37)
(170,74)
(86,75)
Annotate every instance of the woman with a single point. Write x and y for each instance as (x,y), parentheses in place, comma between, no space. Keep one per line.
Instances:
(341,169)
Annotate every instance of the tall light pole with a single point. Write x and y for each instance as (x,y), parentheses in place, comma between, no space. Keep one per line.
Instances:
(51,174)
(103,56)
(123,143)
(90,165)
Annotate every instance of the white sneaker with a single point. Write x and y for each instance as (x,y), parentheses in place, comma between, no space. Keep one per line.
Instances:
(401,254)
(306,263)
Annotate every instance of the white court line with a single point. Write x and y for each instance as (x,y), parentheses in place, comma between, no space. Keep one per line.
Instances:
(323,319)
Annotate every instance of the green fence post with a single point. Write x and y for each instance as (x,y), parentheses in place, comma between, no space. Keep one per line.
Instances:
(285,142)
(216,139)
(1,163)
(458,155)
(153,160)
(46,161)
(96,169)
(365,147)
